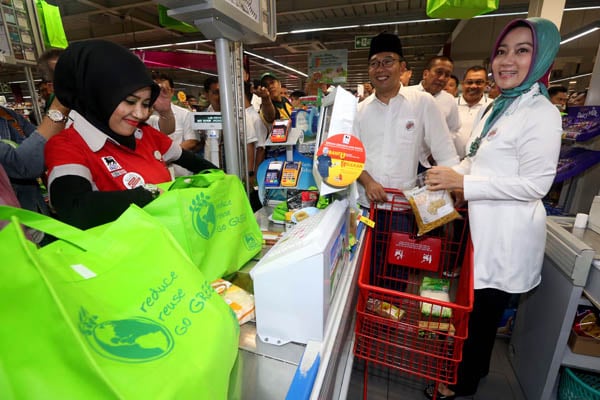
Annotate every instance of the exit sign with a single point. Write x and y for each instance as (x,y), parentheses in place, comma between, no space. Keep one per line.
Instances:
(362,42)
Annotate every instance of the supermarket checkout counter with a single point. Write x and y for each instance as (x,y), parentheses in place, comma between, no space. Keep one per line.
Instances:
(545,315)
(272,372)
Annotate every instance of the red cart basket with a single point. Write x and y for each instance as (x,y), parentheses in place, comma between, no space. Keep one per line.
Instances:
(391,327)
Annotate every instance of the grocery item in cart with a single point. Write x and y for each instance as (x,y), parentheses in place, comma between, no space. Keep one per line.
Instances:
(437,289)
(384,309)
(432,208)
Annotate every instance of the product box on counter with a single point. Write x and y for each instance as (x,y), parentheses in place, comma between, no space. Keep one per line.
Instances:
(585,334)
(584,344)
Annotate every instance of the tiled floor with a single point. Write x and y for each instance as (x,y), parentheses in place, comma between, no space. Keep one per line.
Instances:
(384,384)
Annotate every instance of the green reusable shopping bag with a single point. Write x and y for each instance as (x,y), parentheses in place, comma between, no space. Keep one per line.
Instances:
(51,25)
(461,9)
(42,356)
(211,218)
(137,316)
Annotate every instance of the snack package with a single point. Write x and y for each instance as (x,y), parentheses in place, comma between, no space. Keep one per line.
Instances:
(384,309)
(434,288)
(586,322)
(240,301)
(432,208)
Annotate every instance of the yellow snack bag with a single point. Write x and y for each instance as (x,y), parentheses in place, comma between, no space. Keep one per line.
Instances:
(432,208)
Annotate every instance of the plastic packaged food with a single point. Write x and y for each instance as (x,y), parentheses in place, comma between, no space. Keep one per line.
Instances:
(437,289)
(240,301)
(384,309)
(432,208)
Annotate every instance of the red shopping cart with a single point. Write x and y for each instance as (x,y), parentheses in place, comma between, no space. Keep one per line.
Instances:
(395,326)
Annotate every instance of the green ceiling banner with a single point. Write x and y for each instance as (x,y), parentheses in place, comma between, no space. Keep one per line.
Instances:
(51,25)
(172,23)
(460,9)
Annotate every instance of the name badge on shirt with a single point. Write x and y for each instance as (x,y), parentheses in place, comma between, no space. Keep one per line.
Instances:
(131,180)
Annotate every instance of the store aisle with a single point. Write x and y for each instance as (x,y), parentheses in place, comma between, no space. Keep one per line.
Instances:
(384,384)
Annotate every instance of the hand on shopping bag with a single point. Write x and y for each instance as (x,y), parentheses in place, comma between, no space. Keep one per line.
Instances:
(439,178)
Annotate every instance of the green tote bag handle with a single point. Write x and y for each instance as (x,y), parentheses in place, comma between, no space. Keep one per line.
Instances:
(200,180)
(49,225)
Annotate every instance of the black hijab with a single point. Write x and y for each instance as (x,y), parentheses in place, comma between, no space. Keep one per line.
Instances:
(92,77)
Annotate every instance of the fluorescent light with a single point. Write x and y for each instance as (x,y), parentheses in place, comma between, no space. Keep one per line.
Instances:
(187,84)
(595,28)
(582,8)
(401,22)
(277,63)
(332,28)
(571,77)
(159,46)
(507,14)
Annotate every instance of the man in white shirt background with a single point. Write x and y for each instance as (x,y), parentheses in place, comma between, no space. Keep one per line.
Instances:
(470,103)
(436,74)
(452,85)
(183,134)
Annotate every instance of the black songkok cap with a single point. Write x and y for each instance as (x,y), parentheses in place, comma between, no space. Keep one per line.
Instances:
(385,42)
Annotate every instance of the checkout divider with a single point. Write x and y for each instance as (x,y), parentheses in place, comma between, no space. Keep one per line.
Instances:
(318,369)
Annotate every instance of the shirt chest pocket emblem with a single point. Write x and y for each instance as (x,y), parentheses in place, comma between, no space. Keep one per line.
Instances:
(410,125)
(111,164)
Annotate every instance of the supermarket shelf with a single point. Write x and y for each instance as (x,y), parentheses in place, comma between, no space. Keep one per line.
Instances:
(580,361)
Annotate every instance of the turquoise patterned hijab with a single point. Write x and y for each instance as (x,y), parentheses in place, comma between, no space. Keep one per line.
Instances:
(546,41)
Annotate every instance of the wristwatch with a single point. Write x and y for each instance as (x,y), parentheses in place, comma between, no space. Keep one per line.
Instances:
(153,189)
(57,116)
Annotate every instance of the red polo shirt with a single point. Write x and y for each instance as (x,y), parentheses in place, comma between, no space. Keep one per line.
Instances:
(85,151)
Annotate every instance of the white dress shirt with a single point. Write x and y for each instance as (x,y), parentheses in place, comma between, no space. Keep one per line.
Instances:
(392,134)
(467,116)
(183,131)
(447,106)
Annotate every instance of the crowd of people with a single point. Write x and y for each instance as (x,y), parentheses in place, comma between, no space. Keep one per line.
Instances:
(494,144)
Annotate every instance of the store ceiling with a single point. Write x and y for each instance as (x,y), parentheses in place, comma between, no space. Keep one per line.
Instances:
(134,23)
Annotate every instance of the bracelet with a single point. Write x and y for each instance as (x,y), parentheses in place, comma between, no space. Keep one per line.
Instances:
(152,189)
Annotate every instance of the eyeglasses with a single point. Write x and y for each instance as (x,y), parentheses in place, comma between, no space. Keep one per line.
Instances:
(478,82)
(385,63)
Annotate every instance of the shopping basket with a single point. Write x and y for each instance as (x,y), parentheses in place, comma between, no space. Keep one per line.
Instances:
(579,385)
(391,327)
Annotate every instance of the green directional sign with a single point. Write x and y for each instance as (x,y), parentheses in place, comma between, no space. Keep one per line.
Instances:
(362,42)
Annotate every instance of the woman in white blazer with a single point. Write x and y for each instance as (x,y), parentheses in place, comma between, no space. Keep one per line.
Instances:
(510,166)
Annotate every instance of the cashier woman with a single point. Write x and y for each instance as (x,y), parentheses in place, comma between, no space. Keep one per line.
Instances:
(510,165)
(109,157)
